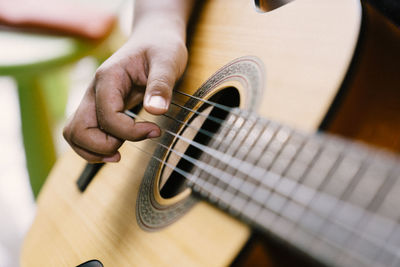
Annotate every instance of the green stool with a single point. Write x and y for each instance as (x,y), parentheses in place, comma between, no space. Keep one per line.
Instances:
(37,62)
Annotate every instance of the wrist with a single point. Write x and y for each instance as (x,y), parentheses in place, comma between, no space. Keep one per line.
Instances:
(154,16)
(155,28)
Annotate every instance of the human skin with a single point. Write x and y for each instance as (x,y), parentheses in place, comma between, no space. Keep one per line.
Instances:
(144,69)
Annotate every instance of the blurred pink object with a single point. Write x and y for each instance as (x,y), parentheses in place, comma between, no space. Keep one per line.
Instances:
(57,16)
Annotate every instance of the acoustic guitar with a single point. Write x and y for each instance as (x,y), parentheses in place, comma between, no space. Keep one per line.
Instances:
(253,143)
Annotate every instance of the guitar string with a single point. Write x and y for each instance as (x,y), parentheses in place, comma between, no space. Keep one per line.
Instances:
(339,246)
(232,130)
(212,118)
(238,162)
(193,161)
(218,106)
(391,179)
(217,120)
(190,176)
(211,135)
(362,220)
(244,144)
(336,208)
(394,228)
(209,102)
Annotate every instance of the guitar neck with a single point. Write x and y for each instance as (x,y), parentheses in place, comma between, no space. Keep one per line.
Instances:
(329,197)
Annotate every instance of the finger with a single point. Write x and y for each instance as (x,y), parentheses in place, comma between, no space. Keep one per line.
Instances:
(160,83)
(95,141)
(90,156)
(95,158)
(135,97)
(82,130)
(111,93)
(165,68)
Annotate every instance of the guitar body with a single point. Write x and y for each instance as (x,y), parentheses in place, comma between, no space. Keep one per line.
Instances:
(307,49)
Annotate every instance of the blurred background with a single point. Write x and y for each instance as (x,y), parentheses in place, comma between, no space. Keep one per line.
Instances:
(49,51)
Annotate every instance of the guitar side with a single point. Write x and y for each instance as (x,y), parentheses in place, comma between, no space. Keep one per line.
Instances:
(306,47)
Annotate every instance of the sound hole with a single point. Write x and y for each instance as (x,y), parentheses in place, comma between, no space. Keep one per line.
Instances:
(172,182)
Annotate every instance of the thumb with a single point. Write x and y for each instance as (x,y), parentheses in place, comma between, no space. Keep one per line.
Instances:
(160,83)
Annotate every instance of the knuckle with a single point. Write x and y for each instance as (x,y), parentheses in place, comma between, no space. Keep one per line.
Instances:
(66,132)
(73,137)
(104,124)
(181,48)
(160,83)
(100,73)
(135,58)
(106,72)
(104,119)
(110,146)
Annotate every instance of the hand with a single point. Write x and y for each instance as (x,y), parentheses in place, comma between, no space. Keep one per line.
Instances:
(146,67)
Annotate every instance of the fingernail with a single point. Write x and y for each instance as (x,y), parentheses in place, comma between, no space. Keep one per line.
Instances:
(157,101)
(153,134)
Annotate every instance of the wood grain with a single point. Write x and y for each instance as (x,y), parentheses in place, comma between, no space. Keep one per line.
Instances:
(71,227)
(370,110)
(306,47)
